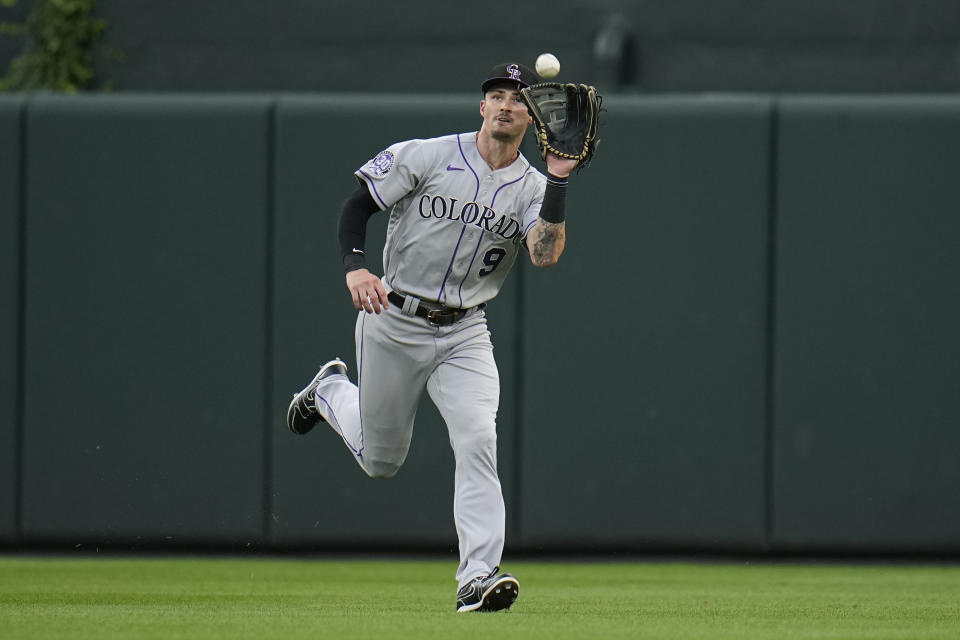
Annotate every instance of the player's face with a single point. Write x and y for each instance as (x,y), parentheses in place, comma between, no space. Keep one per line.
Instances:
(505,114)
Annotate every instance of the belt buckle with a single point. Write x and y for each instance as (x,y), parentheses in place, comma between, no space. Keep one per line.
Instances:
(440,317)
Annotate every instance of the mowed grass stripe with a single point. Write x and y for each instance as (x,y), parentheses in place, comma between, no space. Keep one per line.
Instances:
(187,597)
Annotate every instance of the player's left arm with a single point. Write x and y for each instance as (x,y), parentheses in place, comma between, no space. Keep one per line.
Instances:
(548,236)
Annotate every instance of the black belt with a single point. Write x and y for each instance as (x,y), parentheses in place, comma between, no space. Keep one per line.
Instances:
(436,314)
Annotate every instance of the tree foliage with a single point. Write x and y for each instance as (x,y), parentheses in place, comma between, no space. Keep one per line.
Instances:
(59,41)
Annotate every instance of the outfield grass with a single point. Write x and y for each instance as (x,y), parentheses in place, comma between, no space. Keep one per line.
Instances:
(170,598)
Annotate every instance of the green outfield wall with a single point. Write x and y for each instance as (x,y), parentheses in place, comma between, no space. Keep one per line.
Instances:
(750,343)
(146,316)
(867,377)
(644,364)
(11,113)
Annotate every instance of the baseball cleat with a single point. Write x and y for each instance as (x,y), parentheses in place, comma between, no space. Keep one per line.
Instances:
(488,593)
(302,415)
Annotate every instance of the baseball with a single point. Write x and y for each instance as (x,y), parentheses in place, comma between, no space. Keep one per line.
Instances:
(547,65)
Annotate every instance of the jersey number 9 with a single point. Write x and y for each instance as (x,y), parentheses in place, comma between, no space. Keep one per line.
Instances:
(492,259)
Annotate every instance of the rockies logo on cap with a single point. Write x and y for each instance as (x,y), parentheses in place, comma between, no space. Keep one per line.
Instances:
(510,72)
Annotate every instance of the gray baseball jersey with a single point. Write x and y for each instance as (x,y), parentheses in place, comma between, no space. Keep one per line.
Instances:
(455,225)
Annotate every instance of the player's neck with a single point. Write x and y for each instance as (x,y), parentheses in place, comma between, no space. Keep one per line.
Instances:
(497,153)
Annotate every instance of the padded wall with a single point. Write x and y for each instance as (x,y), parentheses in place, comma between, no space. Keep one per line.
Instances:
(644,361)
(181,281)
(10,255)
(146,319)
(867,377)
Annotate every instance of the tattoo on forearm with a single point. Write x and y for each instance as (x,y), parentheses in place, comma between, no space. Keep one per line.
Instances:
(545,246)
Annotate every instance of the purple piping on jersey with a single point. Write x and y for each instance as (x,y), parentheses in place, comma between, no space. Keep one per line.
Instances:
(497,192)
(336,423)
(469,269)
(440,296)
(443,284)
(363,334)
(469,166)
(374,187)
(480,240)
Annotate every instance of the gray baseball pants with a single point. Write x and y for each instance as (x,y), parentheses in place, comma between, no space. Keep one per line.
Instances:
(398,355)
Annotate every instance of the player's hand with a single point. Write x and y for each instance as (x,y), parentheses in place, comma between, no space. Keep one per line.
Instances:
(560,167)
(367,291)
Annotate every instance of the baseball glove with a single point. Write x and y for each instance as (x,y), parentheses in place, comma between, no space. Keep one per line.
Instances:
(566,118)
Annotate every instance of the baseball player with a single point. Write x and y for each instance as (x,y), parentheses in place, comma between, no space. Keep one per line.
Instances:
(461,208)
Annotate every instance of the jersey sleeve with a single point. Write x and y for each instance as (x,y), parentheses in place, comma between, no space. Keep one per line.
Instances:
(393,173)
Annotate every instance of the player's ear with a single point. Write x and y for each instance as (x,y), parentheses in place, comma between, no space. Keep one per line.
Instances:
(483,104)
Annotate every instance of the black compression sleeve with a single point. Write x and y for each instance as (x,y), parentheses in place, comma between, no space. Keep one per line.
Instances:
(554,199)
(352,229)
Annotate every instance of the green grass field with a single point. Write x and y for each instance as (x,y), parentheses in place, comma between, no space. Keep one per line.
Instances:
(187,597)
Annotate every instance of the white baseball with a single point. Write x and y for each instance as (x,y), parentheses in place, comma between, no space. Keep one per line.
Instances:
(547,65)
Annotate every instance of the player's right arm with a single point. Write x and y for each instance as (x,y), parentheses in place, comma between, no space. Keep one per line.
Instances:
(366,289)
(547,238)
(545,242)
